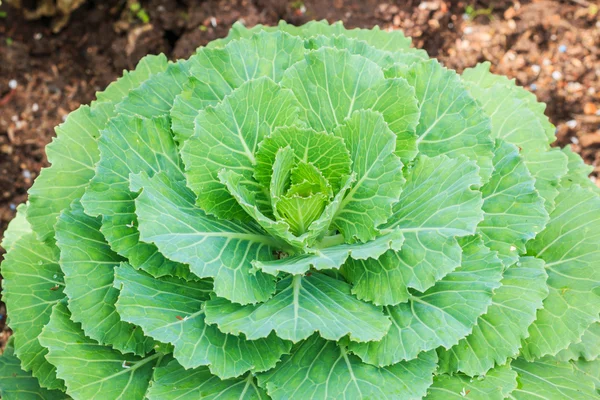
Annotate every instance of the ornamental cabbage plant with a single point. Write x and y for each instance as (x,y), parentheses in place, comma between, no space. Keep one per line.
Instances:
(305,213)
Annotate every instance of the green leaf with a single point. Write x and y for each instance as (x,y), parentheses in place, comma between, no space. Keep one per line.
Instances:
(213,248)
(332,257)
(217,72)
(306,179)
(378,170)
(498,333)
(588,348)
(154,98)
(325,151)
(480,75)
(302,305)
(511,119)
(551,380)
(146,67)
(170,310)
(514,212)
(17,228)
(451,121)
(90,370)
(570,246)
(131,145)
(319,369)
(227,136)
(331,84)
(458,300)
(321,226)
(282,169)
(367,48)
(32,284)
(590,369)
(74,153)
(238,188)
(89,267)
(16,384)
(519,119)
(172,382)
(547,168)
(436,206)
(496,384)
(299,211)
(579,171)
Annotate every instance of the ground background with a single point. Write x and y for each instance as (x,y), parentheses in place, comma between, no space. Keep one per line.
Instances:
(550,47)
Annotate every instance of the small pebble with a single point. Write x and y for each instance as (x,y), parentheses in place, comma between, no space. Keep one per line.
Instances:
(574,139)
(26,174)
(12,206)
(556,75)
(536,68)
(468,30)
(213,22)
(572,124)
(562,48)
(13,84)
(533,87)
(37,36)
(546,62)
(35,107)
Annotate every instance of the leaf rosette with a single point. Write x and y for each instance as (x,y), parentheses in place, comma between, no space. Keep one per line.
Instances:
(305,212)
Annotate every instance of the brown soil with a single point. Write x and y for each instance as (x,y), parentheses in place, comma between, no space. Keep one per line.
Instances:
(550,47)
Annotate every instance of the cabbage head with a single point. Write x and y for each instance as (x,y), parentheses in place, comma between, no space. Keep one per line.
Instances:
(305,213)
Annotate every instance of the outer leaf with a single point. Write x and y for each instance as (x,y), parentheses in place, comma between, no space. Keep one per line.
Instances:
(32,284)
(518,118)
(18,227)
(498,333)
(170,310)
(89,267)
(217,72)
(379,176)
(570,246)
(227,136)
(457,300)
(451,122)
(548,379)
(547,168)
(579,171)
(90,370)
(588,348)
(590,369)
(213,248)
(154,98)
(436,205)
(497,384)
(326,152)
(302,306)
(332,257)
(131,145)
(481,76)
(514,212)
(146,67)
(320,369)
(16,384)
(74,153)
(331,84)
(174,382)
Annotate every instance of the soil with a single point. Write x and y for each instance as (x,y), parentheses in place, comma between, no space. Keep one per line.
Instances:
(549,47)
